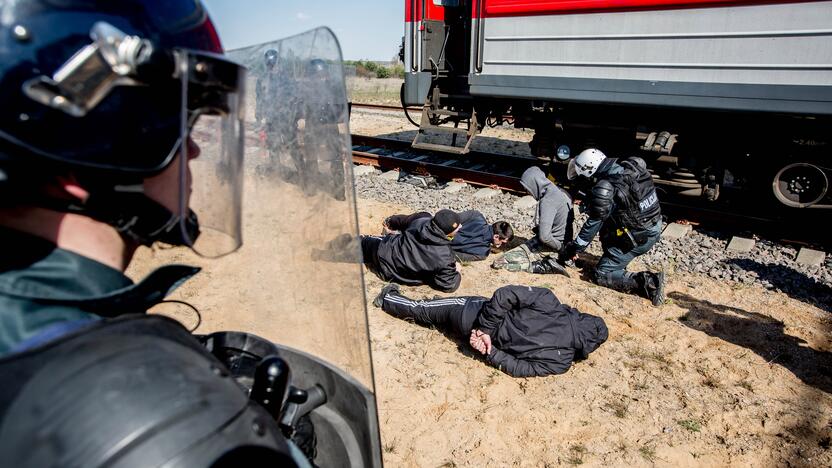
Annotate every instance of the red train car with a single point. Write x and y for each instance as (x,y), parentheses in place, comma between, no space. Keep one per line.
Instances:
(724,98)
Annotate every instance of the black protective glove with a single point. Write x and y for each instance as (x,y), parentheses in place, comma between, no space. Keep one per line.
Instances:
(569,251)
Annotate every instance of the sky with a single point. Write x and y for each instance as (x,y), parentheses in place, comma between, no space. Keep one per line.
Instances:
(366,29)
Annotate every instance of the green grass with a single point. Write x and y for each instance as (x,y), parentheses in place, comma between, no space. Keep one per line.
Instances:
(691,425)
(648,453)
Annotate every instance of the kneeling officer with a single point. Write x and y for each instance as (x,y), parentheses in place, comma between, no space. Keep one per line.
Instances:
(624,207)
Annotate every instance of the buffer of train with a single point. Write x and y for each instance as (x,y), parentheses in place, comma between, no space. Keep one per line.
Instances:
(727,100)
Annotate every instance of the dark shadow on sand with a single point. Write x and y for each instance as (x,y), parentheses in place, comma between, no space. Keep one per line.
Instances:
(761,334)
(790,281)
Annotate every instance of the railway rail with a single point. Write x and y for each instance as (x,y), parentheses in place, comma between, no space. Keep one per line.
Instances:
(503,172)
(384,107)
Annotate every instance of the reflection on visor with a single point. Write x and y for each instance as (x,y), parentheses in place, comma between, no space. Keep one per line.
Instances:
(213,83)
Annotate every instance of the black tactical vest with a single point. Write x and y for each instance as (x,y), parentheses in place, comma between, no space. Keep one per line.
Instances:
(635,196)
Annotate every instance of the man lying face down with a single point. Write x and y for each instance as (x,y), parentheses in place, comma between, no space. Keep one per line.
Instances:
(522,330)
(421,254)
(474,240)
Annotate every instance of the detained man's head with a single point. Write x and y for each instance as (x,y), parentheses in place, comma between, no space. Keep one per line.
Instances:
(503,233)
(448,222)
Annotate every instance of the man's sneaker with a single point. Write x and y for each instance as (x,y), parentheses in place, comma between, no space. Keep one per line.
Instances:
(387,289)
(548,266)
(657,290)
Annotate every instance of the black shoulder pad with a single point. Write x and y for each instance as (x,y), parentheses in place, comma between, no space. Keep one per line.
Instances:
(603,190)
(602,199)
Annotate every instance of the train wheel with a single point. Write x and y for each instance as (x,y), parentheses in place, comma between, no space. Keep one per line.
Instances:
(799,185)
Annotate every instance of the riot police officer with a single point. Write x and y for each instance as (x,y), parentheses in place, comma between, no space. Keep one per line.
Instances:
(321,111)
(100,104)
(265,89)
(624,207)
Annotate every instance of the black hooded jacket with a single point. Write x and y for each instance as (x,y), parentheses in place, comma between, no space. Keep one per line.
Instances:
(533,334)
(421,254)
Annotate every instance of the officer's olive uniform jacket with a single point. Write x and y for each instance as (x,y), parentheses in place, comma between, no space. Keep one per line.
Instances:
(46,292)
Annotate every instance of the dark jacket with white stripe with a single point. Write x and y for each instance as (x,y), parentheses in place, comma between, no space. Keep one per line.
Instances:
(533,334)
(421,254)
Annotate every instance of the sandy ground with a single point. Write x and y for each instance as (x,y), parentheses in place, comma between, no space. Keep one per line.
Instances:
(721,375)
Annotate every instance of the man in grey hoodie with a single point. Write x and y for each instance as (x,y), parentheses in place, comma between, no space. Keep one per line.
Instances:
(553,221)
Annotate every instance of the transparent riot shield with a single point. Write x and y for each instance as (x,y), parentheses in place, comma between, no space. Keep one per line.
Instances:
(298,196)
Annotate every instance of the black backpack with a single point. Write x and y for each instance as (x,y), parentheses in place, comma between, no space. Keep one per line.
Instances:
(635,195)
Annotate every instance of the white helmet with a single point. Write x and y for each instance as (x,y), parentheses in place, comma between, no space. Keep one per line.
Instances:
(585,164)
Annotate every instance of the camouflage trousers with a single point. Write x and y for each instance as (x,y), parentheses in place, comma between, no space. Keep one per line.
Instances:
(520,258)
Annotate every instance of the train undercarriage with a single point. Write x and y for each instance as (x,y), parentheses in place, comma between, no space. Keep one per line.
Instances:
(781,161)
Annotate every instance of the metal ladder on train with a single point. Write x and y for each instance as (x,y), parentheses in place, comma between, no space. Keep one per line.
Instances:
(432,116)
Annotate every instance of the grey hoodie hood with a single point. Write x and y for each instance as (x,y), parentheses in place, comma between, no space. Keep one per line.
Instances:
(535,182)
(554,208)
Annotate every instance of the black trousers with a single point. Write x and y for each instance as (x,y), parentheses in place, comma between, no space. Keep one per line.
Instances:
(452,314)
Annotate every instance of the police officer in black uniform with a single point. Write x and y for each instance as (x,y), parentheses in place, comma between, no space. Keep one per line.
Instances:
(94,153)
(265,90)
(624,207)
(321,111)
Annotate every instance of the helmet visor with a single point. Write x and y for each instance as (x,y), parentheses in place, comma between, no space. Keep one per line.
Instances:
(211,159)
(572,170)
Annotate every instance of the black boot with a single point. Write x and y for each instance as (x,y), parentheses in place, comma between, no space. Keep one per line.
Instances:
(548,266)
(654,287)
(626,283)
(651,286)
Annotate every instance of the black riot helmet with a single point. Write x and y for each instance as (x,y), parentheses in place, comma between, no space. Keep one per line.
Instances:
(108,91)
(317,69)
(271,58)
